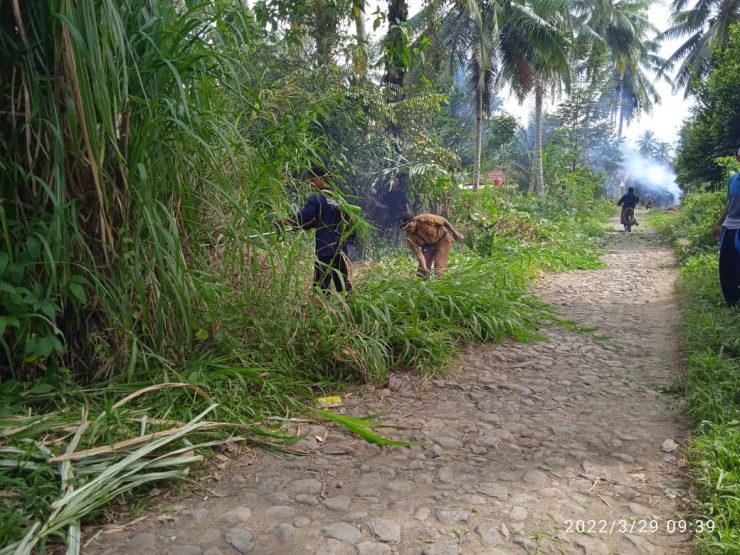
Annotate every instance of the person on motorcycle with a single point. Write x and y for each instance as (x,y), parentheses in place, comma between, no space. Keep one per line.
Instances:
(628,203)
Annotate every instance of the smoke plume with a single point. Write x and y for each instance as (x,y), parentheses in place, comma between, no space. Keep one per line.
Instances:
(651,177)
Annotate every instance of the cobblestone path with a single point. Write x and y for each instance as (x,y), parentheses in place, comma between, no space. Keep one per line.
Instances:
(569,445)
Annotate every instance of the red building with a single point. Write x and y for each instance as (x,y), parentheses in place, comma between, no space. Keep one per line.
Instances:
(495,177)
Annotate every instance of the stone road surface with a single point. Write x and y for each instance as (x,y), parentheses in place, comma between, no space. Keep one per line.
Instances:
(569,445)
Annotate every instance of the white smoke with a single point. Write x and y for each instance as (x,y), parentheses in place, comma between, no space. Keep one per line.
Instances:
(650,176)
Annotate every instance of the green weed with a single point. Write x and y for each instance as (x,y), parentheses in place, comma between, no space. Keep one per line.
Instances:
(712,381)
(553,233)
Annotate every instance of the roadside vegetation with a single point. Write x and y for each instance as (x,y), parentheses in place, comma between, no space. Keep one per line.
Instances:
(150,310)
(151,315)
(704,162)
(712,350)
(272,356)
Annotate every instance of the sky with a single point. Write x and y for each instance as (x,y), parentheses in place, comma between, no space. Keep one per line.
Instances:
(666,118)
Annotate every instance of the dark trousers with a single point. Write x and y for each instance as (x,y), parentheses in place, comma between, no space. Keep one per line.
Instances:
(729,265)
(332,269)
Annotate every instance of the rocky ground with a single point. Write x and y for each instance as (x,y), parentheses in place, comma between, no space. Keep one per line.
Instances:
(568,445)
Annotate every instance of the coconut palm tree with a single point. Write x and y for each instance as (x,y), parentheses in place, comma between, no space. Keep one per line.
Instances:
(508,41)
(534,58)
(621,31)
(663,152)
(647,144)
(471,33)
(707,25)
(634,94)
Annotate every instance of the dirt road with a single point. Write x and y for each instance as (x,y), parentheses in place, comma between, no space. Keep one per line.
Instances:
(569,445)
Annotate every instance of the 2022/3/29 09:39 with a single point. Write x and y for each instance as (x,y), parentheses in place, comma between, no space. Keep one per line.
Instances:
(638,526)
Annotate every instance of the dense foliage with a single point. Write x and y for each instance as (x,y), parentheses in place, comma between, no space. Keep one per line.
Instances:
(705,25)
(137,163)
(691,228)
(713,131)
(557,232)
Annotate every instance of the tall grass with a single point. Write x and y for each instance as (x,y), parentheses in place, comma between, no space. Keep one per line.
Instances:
(691,228)
(133,140)
(712,380)
(138,153)
(556,232)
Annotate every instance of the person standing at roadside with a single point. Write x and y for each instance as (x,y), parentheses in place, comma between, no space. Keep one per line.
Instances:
(324,214)
(727,231)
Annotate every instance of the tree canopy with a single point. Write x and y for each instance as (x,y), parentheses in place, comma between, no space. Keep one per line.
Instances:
(713,130)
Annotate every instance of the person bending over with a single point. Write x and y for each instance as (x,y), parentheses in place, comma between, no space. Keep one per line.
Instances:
(430,237)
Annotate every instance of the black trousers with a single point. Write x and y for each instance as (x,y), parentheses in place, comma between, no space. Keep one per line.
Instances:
(332,269)
(729,265)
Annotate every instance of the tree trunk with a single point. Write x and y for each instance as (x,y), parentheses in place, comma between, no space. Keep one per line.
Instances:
(361,52)
(537,180)
(321,34)
(478,123)
(576,132)
(620,111)
(395,65)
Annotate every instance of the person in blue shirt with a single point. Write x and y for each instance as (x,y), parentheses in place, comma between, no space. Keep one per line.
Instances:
(324,214)
(628,201)
(727,231)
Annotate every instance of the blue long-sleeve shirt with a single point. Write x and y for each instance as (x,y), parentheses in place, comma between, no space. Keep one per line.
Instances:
(323,213)
(732,221)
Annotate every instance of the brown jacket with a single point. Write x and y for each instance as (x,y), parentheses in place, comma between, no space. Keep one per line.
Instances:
(426,230)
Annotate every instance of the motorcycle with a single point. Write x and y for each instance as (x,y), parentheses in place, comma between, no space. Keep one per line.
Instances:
(628,219)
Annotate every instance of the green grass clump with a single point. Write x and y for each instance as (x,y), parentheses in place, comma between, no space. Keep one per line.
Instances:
(691,227)
(555,232)
(717,473)
(712,347)
(423,322)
